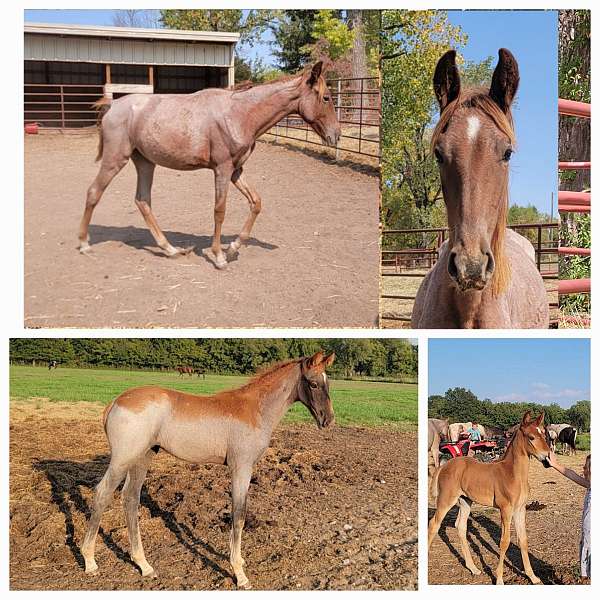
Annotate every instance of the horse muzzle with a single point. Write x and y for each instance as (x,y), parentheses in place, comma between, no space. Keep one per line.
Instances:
(470,272)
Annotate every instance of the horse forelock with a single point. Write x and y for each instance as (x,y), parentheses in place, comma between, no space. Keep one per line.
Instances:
(478,99)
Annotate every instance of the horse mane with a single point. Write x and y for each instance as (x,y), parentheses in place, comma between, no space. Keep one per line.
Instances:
(244,86)
(265,375)
(480,100)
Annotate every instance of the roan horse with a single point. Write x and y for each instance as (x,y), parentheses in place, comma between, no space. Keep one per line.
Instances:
(212,129)
(232,428)
(503,484)
(486,276)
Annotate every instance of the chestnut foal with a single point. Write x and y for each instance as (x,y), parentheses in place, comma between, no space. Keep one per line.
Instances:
(502,484)
(232,427)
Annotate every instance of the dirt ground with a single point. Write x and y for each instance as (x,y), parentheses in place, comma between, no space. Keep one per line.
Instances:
(553,530)
(327,510)
(313,262)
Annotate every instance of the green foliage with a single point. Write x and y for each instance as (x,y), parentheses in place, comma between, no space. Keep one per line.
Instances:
(574,78)
(412,43)
(461,405)
(575,232)
(292,33)
(355,402)
(395,358)
(334,34)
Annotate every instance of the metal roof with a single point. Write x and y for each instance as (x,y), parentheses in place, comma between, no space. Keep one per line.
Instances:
(103,31)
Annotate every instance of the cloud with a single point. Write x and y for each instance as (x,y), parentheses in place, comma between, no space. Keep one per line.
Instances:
(543,393)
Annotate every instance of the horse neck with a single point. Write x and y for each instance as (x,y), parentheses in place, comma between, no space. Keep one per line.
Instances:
(263,106)
(516,455)
(279,397)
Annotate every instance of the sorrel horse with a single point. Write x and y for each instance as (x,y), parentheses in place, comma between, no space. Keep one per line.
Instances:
(502,484)
(486,276)
(232,428)
(212,129)
(185,371)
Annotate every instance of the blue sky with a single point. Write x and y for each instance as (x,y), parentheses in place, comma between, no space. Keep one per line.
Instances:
(532,37)
(512,370)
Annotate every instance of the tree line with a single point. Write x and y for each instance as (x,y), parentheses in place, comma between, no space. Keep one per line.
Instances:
(460,405)
(348,39)
(382,358)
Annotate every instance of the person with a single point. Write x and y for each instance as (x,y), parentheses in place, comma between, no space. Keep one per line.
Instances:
(585,549)
(474,433)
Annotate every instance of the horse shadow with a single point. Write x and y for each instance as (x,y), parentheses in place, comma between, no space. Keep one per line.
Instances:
(66,480)
(478,523)
(141,239)
(324,157)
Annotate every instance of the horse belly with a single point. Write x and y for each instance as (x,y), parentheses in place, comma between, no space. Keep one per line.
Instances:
(198,442)
(172,136)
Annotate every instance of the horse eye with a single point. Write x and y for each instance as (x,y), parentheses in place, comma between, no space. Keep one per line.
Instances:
(326,98)
(532,437)
(438,156)
(313,384)
(507,154)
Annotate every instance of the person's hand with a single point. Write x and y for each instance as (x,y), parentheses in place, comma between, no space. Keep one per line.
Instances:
(552,460)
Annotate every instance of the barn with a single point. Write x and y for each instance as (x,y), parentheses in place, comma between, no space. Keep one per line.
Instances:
(68,67)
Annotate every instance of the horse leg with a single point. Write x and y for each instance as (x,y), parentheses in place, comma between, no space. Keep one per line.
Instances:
(445,502)
(131,502)
(116,152)
(143,200)
(102,497)
(255,206)
(464,510)
(506,515)
(240,481)
(222,179)
(521,529)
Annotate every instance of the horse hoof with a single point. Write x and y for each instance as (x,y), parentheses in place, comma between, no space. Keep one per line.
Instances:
(148,571)
(244,585)
(220,264)
(84,248)
(536,580)
(176,252)
(475,571)
(499,582)
(90,566)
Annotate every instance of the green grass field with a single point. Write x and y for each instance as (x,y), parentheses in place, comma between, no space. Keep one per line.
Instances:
(355,402)
(583,441)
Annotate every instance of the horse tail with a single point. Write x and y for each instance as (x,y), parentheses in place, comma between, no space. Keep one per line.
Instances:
(102,106)
(105,413)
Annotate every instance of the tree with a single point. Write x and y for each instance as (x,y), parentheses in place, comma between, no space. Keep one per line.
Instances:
(292,38)
(135,17)
(579,415)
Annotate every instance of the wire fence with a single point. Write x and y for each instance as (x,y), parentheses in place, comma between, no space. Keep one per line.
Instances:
(357,102)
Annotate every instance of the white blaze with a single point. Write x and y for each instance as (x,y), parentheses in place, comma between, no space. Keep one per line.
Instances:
(473,125)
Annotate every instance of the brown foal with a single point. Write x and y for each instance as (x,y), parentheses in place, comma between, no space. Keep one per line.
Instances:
(502,484)
(232,428)
(485,276)
(212,129)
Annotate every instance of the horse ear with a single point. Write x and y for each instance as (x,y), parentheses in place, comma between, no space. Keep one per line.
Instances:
(315,360)
(540,420)
(315,73)
(328,360)
(446,80)
(526,418)
(505,80)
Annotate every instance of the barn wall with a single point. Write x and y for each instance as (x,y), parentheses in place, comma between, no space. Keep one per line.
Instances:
(126,51)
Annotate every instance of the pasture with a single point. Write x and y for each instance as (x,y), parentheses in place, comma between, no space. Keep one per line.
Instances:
(553,528)
(313,260)
(341,502)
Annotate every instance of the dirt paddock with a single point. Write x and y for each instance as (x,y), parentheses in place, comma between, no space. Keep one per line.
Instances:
(313,260)
(327,510)
(553,530)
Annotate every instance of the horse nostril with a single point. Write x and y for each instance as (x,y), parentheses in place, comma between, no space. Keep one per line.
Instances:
(452,268)
(489,269)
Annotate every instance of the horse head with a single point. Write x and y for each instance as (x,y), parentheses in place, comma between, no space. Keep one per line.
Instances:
(313,389)
(472,144)
(535,436)
(316,105)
